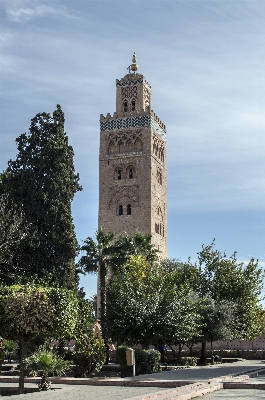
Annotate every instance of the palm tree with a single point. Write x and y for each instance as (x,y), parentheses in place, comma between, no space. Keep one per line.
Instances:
(107,252)
(98,256)
(47,361)
(140,243)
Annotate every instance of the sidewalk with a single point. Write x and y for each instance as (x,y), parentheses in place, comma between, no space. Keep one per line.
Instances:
(180,384)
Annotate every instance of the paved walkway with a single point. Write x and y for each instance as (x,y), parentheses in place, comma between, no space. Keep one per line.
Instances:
(236,394)
(204,380)
(80,392)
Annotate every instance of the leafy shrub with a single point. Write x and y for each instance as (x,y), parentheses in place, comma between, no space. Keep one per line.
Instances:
(153,356)
(11,347)
(141,362)
(2,352)
(188,361)
(153,360)
(142,365)
(48,362)
(89,355)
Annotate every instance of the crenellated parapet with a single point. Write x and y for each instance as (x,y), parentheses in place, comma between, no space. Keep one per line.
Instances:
(158,120)
(133,114)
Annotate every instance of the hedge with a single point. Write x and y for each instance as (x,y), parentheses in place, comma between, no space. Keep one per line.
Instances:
(145,361)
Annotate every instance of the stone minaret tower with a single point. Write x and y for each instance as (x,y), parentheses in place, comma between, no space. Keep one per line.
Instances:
(132,164)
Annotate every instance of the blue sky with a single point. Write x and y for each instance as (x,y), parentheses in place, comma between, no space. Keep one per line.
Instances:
(205,61)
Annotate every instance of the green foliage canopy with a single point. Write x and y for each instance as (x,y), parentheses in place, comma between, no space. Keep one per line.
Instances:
(42,183)
(224,278)
(34,311)
(143,306)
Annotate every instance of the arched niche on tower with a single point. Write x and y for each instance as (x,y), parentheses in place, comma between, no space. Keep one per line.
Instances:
(138,145)
(111,147)
(130,172)
(159,222)
(129,146)
(118,174)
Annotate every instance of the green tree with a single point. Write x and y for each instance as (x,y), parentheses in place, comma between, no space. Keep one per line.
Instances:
(98,256)
(13,231)
(225,278)
(127,245)
(106,255)
(218,319)
(144,306)
(182,273)
(33,311)
(234,290)
(85,318)
(42,183)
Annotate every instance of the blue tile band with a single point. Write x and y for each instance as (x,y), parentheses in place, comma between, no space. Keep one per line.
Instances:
(132,122)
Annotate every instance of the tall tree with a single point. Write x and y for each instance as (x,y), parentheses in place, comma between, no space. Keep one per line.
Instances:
(42,181)
(144,306)
(13,231)
(98,256)
(127,246)
(106,255)
(218,323)
(225,278)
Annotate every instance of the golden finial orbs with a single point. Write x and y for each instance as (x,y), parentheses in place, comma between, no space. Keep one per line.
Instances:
(134,66)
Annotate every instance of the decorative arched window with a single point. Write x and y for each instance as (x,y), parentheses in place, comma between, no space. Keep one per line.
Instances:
(111,148)
(133,105)
(137,145)
(121,147)
(129,209)
(130,173)
(162,155)
(125,106)
(119,174)
(120,210)
(129,146)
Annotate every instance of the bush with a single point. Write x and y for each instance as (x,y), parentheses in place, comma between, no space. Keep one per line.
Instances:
(11,348)
(89,355)
(153,356)
(188,361)
(2,352)
(143,361)
(45,360)
(153,360)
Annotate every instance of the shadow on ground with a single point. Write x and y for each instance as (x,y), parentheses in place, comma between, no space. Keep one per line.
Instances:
(10,391)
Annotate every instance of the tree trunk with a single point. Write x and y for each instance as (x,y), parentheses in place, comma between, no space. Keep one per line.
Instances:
(203,353)
(180,347)
(23,345)
(102,275)
(60,348)
(173,354)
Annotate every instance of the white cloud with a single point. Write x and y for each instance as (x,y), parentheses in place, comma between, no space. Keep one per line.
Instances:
(5,37)
(25,10)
